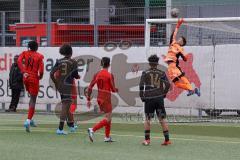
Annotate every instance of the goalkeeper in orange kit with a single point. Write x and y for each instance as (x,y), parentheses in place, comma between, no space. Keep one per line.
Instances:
(175,73)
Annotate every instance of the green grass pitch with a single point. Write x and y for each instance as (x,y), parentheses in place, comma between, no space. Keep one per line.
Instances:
(201,141)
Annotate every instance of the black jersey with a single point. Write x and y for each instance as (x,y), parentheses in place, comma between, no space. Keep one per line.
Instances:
(154,84)
(66,71)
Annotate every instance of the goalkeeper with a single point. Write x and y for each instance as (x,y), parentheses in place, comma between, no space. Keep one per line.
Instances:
(176,51)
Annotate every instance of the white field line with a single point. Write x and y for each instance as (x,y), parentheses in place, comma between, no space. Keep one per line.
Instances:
(47,130)
(3,121)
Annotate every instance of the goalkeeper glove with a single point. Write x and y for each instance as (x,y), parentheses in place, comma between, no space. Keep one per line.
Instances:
(180,21)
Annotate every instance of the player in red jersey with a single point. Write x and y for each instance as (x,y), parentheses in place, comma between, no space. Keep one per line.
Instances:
(31,65)
(106,85)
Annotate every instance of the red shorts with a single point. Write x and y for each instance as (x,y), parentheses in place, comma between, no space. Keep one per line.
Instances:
(105,106)
(31,85)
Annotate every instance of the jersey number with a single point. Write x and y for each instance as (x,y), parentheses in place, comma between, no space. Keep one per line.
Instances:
(64,69)
(155,80)
(100,84)
(30,63)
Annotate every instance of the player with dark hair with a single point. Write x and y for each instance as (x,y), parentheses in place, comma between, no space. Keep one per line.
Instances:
(16,84)
(106,85)
(63,74)
(176,51)
(154,86)
(31,65)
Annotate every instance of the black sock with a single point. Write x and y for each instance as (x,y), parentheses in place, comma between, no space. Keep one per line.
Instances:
(61,125)
(147,134)
(70,124)
(166,135)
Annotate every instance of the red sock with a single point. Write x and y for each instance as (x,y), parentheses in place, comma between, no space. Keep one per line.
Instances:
(31,111)
(73,108)
(100,124)
(107,129)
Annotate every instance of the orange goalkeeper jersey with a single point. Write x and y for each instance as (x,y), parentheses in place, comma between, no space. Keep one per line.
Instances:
(173,53)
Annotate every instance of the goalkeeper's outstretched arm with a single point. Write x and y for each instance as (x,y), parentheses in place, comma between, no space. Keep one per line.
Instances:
(174,37)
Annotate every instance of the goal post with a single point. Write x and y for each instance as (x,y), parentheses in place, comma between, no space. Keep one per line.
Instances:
(149,22)
(214,46)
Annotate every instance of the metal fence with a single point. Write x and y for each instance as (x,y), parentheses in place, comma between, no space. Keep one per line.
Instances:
(80,25)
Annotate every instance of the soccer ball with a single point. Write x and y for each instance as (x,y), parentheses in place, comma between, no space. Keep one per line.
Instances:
(175,12)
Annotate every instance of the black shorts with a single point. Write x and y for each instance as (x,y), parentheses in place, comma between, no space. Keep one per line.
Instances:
(155,105)
(66,92)
(66,97)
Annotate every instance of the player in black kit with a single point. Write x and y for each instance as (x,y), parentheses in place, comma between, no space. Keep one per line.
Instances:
(154,86)
(63,74)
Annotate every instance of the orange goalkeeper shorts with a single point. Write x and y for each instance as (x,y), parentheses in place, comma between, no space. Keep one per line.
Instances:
(173,71)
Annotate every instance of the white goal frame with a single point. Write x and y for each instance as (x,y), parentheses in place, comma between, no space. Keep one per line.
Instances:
(169,22)
(174,20)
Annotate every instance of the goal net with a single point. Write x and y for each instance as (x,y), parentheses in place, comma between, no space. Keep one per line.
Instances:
(213,45)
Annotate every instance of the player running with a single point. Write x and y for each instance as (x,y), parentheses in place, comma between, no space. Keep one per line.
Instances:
(63,74)
(154,86)
(176,51)
(31,65)
(106,85)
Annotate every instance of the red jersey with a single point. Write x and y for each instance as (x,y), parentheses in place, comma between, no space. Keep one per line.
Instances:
(105,84)
(31,62)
